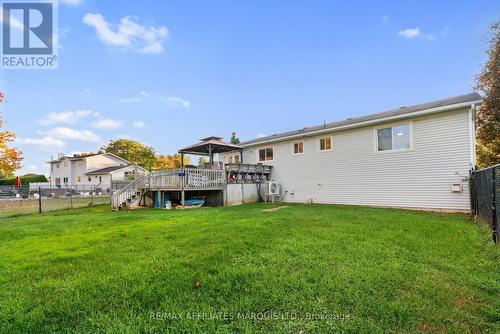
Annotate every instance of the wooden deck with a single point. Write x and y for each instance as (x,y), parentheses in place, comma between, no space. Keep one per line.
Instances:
(183,179)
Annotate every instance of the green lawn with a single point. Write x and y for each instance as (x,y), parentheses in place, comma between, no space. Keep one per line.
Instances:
(355,270)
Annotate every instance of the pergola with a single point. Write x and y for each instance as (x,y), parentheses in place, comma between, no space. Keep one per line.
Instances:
(210,146)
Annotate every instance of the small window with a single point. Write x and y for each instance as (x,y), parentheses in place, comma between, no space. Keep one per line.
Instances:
(100,178)
(266,154)
(325,143)
(89,179)
(298,147)
(57,165)
(230,159)
(394,138)
(65,180)
(237,159)
(78,179)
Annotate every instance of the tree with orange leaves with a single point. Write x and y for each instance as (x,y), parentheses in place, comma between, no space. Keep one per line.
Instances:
(10,157)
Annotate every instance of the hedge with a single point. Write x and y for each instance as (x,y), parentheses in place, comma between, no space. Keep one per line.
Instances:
(25,180)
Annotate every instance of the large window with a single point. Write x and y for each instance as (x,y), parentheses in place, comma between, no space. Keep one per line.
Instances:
(266,154)
(298,147)
(325,143)
(394,138)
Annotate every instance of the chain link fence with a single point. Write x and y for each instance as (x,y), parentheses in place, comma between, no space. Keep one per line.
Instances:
(485,197)
(26,200)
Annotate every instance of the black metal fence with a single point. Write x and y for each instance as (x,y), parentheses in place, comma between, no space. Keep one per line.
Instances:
(485,197)
(26,200)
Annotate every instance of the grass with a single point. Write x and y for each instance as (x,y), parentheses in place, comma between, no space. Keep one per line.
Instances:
(352,269)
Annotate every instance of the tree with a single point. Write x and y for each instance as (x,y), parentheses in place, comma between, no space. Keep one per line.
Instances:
(133,151)
(234,140)
(488,118)
(202,161)
(10,157)
(170,162)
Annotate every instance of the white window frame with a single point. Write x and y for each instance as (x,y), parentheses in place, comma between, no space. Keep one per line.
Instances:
(303,147)
(410,126)
(264,148)
(319,143)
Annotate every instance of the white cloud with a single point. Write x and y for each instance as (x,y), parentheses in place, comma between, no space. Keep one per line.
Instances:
(65,117)
(108,123)
(68,133)
(261,135)
(71,2)
(139,124)
(87,91)
(46,143)
(128,35)
(410,33)
(132,99)
(175,101)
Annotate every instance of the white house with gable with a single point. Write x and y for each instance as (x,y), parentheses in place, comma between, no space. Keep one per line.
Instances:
(90,170)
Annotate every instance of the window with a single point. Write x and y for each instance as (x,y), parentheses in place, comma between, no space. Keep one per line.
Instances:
(57,165)
(298,147)
(100,178)
(266,154)
(81,163)
(58,181)
(325,143)
(65,180)
(89,179)
(394,138)
(78,179)
(233,159)
(65,164)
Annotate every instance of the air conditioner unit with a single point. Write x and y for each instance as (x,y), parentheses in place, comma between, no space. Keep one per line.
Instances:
(273,188)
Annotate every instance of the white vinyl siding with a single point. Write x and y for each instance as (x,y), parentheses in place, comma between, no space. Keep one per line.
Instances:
(356,173)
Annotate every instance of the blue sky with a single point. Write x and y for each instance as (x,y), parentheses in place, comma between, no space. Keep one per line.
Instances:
(170,72)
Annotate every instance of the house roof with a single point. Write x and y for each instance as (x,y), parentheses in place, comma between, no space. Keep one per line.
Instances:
(77,157)
(434,106)
(216,144)
(111,169)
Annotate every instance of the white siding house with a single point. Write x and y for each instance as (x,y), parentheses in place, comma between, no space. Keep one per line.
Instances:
(412,157)
(90,170)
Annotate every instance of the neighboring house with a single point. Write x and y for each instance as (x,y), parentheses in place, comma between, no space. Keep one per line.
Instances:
(90,170)
(413,157)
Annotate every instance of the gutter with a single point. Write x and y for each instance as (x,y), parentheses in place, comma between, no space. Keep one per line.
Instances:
(370,122)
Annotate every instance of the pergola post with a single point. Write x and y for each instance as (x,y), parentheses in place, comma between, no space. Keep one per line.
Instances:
(182,159)
(211,159)
(241,155)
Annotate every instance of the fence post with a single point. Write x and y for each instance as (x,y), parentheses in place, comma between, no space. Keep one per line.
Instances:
(91,195)
(494,204)
(71,198)
(39,199)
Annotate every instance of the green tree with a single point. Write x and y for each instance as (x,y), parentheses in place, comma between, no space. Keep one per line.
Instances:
(202,161)
(488,118)
(133,151)
(234,140)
